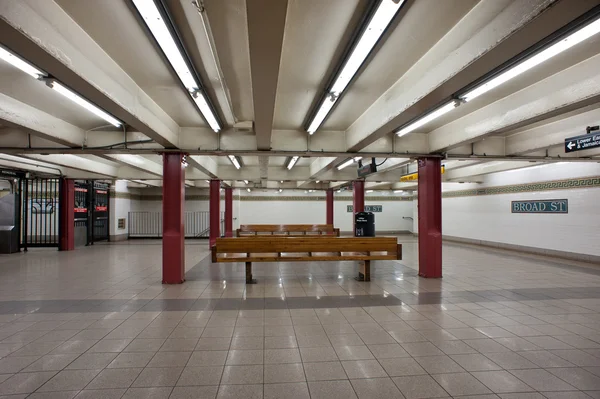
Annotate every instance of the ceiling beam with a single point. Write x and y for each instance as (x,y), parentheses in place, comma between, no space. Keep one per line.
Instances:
(44,34)
(31,120)
(266,24)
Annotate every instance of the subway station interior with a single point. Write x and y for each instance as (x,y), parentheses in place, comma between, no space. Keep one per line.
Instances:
(299,199)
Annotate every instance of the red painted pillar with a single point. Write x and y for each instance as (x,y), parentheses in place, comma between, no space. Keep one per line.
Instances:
(215,211)
(173,228)
(228,212)
(329,206)
(67,215)
(358,199)
(430,217)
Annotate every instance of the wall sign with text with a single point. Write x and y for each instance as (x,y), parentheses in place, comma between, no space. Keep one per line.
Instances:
(368,208)
(541,206)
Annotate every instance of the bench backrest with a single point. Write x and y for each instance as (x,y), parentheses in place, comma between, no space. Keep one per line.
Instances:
(272,244)
(287,229)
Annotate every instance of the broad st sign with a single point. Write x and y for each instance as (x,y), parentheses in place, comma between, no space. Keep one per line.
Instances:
(584,142)
(543,206)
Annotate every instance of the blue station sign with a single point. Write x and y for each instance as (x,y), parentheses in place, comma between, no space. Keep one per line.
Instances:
(543,206)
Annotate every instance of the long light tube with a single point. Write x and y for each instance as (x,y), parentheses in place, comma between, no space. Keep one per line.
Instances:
(382,17)
(573,39)
(59,88)
(21,64)
(158,27)
(234,161)
(200,100)
(427,118)
(348,162)
(292,162)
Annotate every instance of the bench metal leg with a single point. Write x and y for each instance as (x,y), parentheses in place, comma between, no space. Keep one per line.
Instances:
(364,271)
(249,279)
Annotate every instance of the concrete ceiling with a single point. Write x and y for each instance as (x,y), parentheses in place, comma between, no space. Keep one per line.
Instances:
(267,70)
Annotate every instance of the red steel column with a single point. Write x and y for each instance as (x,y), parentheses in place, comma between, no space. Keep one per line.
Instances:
(358,199)
(173,227)
(228,212)
(215,211)
(67,215)
(430,217)
(329,206)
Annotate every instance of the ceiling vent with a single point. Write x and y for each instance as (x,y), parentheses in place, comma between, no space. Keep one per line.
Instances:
(244,126)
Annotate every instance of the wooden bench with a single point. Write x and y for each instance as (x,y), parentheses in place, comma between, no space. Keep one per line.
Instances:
(305,248)
(287,229)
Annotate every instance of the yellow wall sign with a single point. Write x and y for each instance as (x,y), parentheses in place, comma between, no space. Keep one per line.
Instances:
(415,176)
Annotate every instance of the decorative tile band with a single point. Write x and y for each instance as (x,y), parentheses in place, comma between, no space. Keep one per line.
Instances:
(584,182)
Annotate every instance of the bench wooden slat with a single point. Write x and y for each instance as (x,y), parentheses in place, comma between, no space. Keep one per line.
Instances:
(287,229)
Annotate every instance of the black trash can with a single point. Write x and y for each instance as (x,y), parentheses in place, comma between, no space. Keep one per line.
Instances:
(364,224)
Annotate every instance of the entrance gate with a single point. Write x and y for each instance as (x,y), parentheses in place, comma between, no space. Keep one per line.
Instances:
(99,207)
(40,216)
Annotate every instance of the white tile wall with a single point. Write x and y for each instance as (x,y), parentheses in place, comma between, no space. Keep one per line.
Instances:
(489,217)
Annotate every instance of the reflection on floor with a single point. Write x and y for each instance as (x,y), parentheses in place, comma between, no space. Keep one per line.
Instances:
(97,323)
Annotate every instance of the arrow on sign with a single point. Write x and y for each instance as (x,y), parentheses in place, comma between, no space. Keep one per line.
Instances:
(570,145)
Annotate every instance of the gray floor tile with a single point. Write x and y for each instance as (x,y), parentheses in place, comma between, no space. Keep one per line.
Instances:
(207,358)
(363,369)
(387,351)
(131,360)
(331,390)
(439,364)
(69,380)
(213,344)
(101,394)
(376,388)
(194,376)
(541,380)
(419,387)
(245,357)
(92,361)
(475,362)
(248,343)
(25,382)
(353,352)
(145,345)
(501,382)
(578,377)
(274,356)
(53,395)
(322,354)
(114,378)
(233,375)
(296,390)
(158,377)
(283,373)
(170,359)
(281,342)
(461,384)
(240,391)
(206,392)
(321,371)
(402,366)
(148,393)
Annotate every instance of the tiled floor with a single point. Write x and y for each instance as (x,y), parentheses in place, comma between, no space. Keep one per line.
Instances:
(97,323)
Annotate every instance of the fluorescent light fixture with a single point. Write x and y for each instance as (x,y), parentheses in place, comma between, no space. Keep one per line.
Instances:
(427,118)
(317,181)
(159,29)
(369,191)
(235,161)
(398,191)
(292,162)
(200,100)
(280,190)
(21,64)
(59,88)
(573,39)
(248,189)
(246,181)
(348,162)
(386,10)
